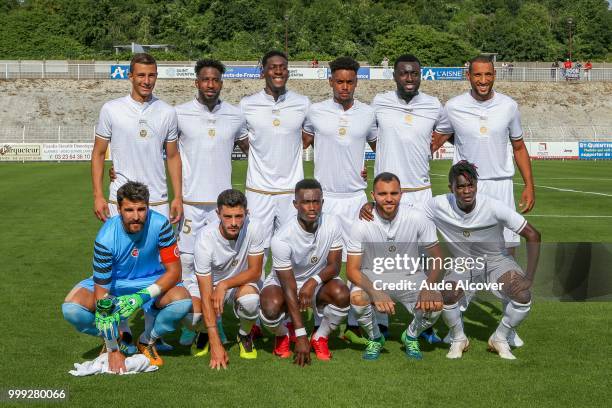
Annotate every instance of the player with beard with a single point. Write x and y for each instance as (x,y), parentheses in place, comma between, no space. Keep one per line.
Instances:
(209,128)
(135,262)
(487,132)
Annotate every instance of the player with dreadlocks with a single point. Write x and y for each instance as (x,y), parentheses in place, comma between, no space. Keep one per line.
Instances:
(472,224)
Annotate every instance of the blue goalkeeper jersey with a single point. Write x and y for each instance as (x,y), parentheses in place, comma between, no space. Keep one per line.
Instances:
(122,256)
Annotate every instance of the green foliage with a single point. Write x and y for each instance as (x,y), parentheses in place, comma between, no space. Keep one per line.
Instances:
(431,46)
(440,31)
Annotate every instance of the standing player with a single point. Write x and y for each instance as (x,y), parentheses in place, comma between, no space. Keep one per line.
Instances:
(274,118)
(339,129)
(228,261)
(307,254)
(136,259)
(484,121)
(406,119)
(396,231)
(473,223)
(208,130)
(139,128)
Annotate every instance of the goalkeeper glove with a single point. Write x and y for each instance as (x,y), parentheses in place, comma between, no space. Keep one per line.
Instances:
(107,319)
(128,304)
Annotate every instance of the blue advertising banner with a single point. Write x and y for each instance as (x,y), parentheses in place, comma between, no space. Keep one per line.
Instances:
(119,71)
(594,150)
(363,73)
(242,73)
(441,74)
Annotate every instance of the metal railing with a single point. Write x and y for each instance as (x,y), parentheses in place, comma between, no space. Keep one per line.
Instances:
(49,133)
(61,70)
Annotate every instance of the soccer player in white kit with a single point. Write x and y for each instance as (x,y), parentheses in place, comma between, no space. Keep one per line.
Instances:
(139,128)
(472,223)
(208,129)
(275,117)
(306,254)
(483,122)
(228,261)
(396,231)
(406,119)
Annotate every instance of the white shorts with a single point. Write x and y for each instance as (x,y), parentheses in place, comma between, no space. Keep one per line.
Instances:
(272,210)
(416,198)
(503,190)
(272,280)
(191,284)
(495,268)
(163,209)
(195,217)
(346,207)
(408,298)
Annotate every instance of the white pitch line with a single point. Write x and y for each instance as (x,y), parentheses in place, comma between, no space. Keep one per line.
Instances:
(566,216)
(567,190)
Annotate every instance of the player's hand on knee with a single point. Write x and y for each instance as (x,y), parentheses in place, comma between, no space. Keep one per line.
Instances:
(429,301)
(306,293)
(301,355)
(366,212)
(218,357)
(101,209)
(176,210)
(116,362)
(518,285)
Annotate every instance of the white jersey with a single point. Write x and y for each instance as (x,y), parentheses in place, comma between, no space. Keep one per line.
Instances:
(483,131)
(479,232)
(404,136)
(137,133)
(206,142)
(403,235)
(339,143)
(216,255)
(305,253)
(275,140)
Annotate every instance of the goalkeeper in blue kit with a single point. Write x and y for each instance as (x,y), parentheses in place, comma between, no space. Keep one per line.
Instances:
(136,265)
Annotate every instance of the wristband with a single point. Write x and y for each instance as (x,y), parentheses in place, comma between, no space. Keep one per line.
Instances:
(154,290)
(300,332)
(317,279)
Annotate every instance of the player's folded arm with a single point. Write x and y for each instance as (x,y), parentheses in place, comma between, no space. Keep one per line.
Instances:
(332,268)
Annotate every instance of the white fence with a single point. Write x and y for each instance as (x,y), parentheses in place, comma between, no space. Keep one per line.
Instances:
(98,70)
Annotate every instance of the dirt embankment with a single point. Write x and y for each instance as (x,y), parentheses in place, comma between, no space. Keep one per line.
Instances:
(73,102)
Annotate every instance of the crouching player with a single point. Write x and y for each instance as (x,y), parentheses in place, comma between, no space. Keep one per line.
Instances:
(135,260)
(306,255)
(228,257)
(473,225)
(396,233)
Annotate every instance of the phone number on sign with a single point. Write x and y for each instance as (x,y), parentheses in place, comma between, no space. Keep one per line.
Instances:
(72,156)
(27,394)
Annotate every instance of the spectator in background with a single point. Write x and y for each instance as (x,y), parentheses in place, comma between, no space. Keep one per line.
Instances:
(587,69)
(385,62)
(510,69)
(553,70)
(314,63)
(578,67)
(567,65)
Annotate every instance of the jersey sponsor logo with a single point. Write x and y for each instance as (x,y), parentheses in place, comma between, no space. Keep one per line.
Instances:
(135,252)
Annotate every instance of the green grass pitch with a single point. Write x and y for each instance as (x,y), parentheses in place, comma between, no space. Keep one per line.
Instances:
(47,235)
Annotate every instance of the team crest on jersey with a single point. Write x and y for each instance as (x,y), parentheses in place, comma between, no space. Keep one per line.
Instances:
(466,234)
(392,248)
(135,252)
(234,263)
(314,260)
